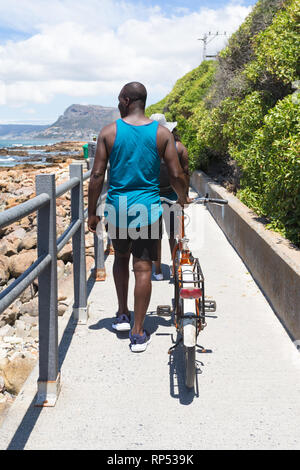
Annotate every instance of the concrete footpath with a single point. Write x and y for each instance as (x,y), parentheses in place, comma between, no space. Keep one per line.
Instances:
(248,387)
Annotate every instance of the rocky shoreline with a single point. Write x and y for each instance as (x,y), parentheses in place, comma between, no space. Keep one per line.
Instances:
(18,250)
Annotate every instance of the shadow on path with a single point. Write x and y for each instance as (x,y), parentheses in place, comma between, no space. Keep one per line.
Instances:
(29,420)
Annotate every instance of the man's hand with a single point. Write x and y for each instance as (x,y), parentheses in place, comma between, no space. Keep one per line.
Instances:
(184,201)
(93,221)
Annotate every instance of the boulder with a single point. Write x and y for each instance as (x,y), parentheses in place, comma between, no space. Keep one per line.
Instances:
(8,248)
(29,241)
(16,371)
(6,331)
(22,261)
(60,268)
(29,320)
(66,253)
(4,270)
(2,384)
(27,294)
(61,309)
(17,234)
(30,308)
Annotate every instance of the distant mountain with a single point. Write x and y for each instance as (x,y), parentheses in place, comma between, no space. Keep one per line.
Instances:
(79,122)
(15,131)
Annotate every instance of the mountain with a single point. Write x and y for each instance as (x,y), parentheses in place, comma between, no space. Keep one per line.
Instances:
(80,122)
(15,131)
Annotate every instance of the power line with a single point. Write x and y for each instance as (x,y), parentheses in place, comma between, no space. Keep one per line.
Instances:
(207,38)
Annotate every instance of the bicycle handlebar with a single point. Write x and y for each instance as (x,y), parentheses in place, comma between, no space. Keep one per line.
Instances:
(198,200)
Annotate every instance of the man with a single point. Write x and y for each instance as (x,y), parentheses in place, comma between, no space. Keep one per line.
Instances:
(134,146)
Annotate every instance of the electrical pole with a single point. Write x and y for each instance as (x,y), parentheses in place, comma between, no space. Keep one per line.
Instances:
(207,38)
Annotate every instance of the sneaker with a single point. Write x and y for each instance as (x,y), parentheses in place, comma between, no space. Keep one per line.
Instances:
(139,343)
(158,277)
(122,323)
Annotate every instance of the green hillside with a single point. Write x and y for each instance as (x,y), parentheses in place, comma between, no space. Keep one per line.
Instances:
(239,115)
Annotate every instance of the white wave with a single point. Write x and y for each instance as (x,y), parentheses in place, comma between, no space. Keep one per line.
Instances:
(9,159)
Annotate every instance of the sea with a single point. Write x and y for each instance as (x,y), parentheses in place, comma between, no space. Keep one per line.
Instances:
(34,155)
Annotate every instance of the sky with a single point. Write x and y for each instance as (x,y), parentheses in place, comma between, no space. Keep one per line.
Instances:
(54,54)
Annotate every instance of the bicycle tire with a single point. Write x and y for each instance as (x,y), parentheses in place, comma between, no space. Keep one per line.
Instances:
(190,366)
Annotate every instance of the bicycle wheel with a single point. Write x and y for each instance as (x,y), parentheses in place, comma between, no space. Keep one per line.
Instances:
(190,366)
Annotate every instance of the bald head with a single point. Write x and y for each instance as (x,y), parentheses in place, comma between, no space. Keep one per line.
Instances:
(135,91)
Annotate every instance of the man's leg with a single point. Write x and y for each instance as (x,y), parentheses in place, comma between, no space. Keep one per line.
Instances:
(142,292)
(121,277)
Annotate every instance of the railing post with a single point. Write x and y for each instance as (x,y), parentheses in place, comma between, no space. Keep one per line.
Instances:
(80,310)
(49,375)
(91,162)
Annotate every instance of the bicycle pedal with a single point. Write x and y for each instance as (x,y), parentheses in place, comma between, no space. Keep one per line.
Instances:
(210,305)
(163,310)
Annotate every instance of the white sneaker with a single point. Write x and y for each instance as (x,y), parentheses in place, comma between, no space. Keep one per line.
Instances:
(158,277)
(122,323)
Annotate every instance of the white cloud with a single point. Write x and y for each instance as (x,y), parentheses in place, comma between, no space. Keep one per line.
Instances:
(82,49)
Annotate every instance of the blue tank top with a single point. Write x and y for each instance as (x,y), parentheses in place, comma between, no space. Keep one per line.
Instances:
(133,195)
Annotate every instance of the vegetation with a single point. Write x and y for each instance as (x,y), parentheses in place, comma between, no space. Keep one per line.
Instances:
(239,113)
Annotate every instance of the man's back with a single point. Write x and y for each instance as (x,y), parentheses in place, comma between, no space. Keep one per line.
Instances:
(134,171)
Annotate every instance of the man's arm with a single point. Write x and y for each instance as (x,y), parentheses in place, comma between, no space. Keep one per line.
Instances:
(175,171)
(184,162)
(97,180)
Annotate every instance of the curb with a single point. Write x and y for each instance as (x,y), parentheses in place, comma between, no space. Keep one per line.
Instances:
(273,261)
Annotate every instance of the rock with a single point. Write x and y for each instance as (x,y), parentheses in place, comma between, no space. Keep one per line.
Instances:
(22,261)
(2,384)
(66,288)
(28,320)
(61,309)
(27,294)
(66,253)
(28,242)
(60,268)
(17,234)
(34,332)
(12,339)
(61,211)
(89,240)
(4,270)
(6,330)
(8,248)
(21,330)
(16,371)
(31,308)
(68,268)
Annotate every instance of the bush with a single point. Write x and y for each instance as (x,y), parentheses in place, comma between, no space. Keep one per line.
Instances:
(277,48)
(271,169)
(237,114)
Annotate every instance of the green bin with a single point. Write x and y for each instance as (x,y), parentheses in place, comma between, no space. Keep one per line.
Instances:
(85,151)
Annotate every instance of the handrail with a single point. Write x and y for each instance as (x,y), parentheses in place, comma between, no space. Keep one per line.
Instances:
(22,282)
(64,187)
(68,233)
(45,268)
(23,209)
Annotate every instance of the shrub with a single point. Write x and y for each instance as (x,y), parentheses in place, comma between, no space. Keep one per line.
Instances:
(271,169)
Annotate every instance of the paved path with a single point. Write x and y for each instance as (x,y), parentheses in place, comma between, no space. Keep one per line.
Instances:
(248,387)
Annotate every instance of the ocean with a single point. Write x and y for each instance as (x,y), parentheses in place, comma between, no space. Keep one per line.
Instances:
(34,156)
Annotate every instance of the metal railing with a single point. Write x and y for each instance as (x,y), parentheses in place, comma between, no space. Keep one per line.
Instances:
(45,268)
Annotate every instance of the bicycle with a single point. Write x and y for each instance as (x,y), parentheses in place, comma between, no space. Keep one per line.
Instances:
(190,306)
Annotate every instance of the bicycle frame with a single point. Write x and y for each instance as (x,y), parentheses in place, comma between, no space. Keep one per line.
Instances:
(190,304)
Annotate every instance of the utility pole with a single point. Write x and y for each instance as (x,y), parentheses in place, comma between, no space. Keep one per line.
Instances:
(207,38)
